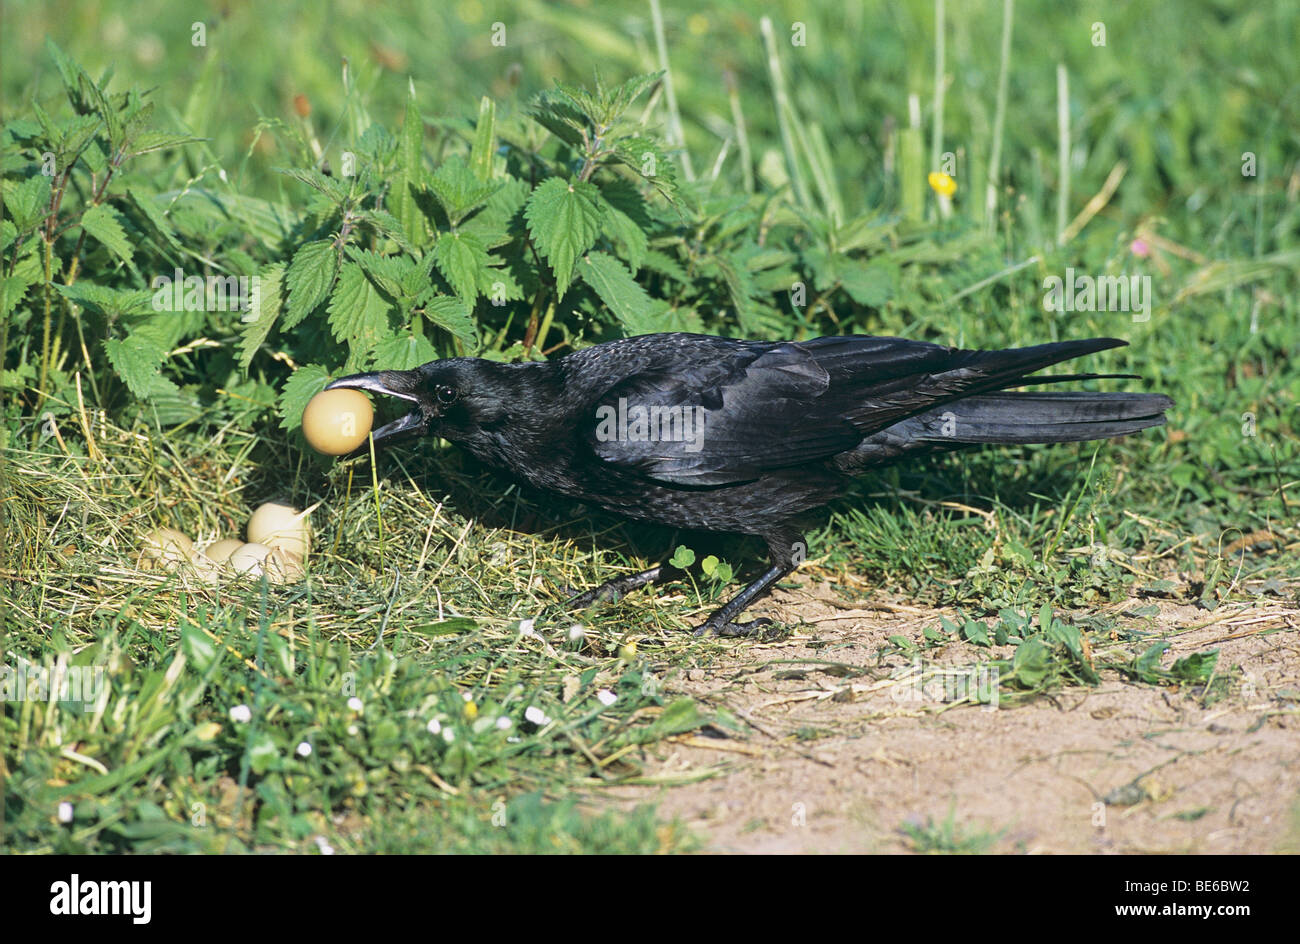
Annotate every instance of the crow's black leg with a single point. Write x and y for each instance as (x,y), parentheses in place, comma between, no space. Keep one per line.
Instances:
(721,622)
(613,589)
(788,551)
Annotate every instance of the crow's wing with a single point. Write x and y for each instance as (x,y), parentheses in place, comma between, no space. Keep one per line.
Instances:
(748,409)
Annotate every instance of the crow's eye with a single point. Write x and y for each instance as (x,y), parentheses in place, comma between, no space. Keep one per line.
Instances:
(445,394)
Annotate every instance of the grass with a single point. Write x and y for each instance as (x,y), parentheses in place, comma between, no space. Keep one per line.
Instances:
(425,570)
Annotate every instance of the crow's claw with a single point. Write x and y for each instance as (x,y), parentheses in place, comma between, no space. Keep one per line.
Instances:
(752,628)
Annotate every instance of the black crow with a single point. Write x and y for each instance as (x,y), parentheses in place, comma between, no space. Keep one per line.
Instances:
(724,435)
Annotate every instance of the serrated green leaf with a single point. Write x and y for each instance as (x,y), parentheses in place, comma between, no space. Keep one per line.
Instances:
(27,202)
(336,190)
(112,302)
(358,314)
(557,114)
(137,359)
(458,190)
(403,352)
(149,141)
(646,158)
(310,275)
(12,290)
(154,218)
(627,235)
(104,223)
(303,384)
(618,290)
(564,219)
(389,226)
(869,283)
(664,264)
(449,314)
(260,318)
(389,273)
(463,260)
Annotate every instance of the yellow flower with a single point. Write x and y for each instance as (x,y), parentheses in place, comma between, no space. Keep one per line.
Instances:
(942,184)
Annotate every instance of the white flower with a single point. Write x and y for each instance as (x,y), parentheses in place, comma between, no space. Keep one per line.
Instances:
(504,723)
(323,845)
(536,716)
(355,703)
(434,726)
(241,714)
(528,627)
(65,812)
(352,729)
(449,735)
(304,749)
(576,632)
(606,697)
(468,696)
(512,740)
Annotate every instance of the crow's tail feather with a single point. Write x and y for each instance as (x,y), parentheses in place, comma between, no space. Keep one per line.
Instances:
(1044,417)
(1012,418)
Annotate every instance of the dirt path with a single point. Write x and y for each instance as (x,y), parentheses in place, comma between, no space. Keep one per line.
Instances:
(839,761)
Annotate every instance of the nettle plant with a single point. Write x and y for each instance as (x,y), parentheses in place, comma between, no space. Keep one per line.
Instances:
(508,237)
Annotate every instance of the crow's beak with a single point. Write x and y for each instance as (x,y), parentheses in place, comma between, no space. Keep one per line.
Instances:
(402,384)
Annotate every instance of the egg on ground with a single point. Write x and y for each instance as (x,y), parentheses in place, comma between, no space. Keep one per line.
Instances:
(166,548)
(219,551)
(336,422)
(277,564)
(282,526)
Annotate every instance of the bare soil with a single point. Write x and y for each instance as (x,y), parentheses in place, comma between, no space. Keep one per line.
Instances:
(843,755)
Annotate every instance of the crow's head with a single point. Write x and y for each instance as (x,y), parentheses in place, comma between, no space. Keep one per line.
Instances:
(448,398)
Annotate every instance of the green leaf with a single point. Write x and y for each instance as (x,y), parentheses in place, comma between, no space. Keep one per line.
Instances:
(458,190)
(28,201)
(1031,663)
(12,290)
(976,632)
(112,302)
(155,220)
(403,352)
(303,384)
(137,359)
(336,190)
(159,141)
(645,157)
(557,114)
(618,100)
(410,177)
(463,260)
(199,649)
(260,318)
(683,557)
(357,312)
(619,291)
(104,223)
(627,234)
(564,220)
(480,158)
(263,755)
(871,284)
(1197,667)
(450,315)
(677,718)
(389,273)
(389,226)
(311,273)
